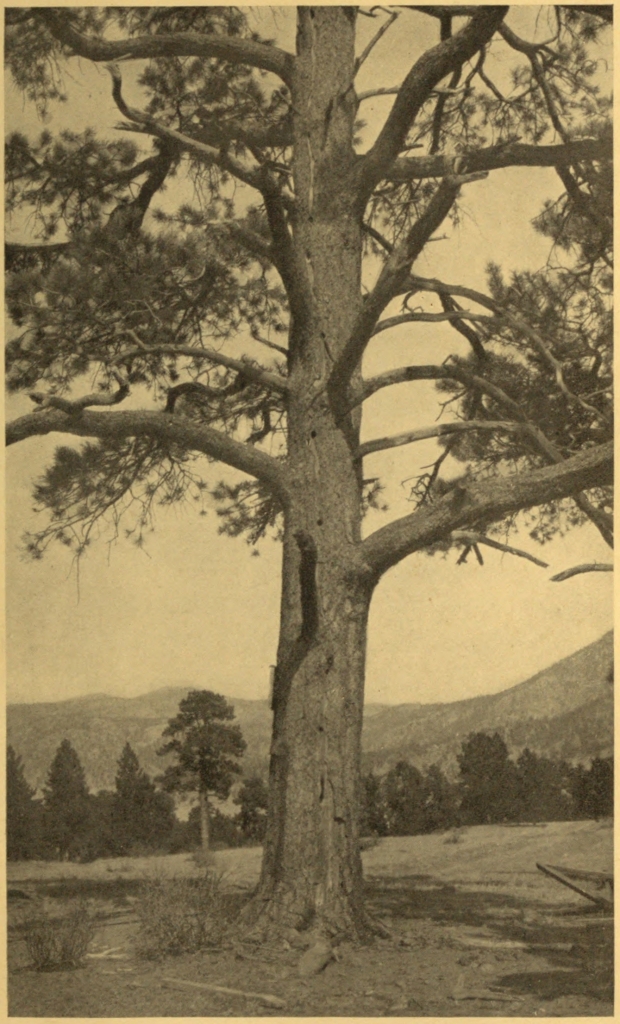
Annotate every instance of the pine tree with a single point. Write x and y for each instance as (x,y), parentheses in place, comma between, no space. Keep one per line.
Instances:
(299,246)
(141,817)
(206,750)
(67,805)
(22,811)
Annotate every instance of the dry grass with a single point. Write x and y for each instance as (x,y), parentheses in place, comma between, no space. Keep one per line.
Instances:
(180,915)
(57,943)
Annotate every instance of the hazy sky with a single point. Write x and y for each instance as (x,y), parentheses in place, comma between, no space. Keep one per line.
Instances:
(198,608)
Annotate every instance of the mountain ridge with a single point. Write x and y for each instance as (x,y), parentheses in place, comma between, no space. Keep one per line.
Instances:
(563,711)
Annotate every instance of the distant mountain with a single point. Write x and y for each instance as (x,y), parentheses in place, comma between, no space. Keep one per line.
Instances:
(564,711)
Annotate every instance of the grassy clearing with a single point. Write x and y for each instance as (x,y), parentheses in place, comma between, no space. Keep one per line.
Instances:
(477,931)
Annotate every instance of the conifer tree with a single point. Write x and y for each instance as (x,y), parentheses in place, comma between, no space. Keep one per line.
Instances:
(66,802)
(22,811)
(240,320)
(206,751)
(140,816)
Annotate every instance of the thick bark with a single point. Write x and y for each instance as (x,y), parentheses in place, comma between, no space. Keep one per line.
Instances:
(311,874)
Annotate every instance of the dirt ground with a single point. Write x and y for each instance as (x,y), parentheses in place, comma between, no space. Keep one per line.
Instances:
(476,931)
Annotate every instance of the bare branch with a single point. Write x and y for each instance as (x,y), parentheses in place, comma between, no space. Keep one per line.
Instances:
(437,430)
(180,44)
(427,318)
(75,407)
(465,537)
(481,503)
(375,39)
(162,427)
(426,73)
(394,273)
(511,154)
(578,569)
(402,375)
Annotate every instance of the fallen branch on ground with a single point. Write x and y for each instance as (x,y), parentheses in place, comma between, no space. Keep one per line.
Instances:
(261,996)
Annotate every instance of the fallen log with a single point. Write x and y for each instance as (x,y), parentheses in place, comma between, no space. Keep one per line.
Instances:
(260,996)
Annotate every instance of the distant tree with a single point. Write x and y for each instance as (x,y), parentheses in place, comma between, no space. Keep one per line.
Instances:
(224,830)
(404,803)
(252,799)
(439,799)
(67,805)
(593,789)
(101,840)
(541,792)
(488,781)
(141,817)
(206,749)
(373,820)
(22,811)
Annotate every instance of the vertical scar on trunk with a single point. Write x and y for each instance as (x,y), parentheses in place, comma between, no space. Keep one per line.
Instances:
(307,581)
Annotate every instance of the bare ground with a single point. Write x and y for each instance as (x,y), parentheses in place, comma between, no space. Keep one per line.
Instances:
(476,931)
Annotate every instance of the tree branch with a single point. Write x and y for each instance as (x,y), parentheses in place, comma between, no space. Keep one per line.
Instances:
(482,503)
(162,427)
(426,73)
(211,154)
(511,154)
(254,373)
(518,325)
(181,44)
(75,407)
(578,569)
(394,273)
(470,539)
(437,430)
(428,318)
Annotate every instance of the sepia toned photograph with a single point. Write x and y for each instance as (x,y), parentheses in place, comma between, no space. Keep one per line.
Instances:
(309,517)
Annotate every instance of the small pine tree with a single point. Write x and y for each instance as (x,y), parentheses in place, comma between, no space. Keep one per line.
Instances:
(67,805)
(206,751)
(140,816)
(22,811)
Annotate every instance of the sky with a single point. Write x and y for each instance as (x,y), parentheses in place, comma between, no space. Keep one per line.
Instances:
(196,608)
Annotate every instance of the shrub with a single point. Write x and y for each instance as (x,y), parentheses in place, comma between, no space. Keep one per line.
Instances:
(56,943)
(180,915)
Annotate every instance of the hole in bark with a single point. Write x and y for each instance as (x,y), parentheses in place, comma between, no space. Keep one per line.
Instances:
(322,791)
(313,433)
(319,522)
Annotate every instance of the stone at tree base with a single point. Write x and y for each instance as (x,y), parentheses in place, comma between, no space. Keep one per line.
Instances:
(315,958)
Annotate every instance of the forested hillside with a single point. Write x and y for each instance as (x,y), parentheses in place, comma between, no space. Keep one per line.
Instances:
(565,711)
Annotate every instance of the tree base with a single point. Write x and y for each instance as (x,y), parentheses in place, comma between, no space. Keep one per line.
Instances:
(281,916)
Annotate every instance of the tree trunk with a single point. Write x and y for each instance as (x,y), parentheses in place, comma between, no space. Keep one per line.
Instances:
(203,805)
(311,874)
